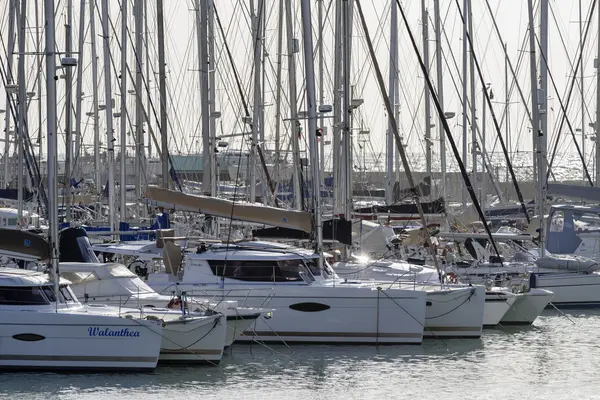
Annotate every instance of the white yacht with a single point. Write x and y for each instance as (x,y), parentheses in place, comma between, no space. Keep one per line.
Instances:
(114,284)
(42,332)
(310,304)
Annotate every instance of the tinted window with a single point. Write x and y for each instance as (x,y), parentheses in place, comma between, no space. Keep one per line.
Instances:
(49,292)
(314,267)
(66,295)
(254,271)
(22,295)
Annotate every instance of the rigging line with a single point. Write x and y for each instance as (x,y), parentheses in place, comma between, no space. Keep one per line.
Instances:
(245,104)
(496,126)
(572,85)
(565,118)
(445,124)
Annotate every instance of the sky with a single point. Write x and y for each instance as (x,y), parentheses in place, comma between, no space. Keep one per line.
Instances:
(183,70)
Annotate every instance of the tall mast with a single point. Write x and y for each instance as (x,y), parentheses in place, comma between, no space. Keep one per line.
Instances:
(138,8)
(597,142)
(68,110)
(346,108)
(291,51)
(163,94)
(38,62)
(12,7)
(202,39)
(148,76)
(506,113)
(22,123)
(425,26)
(212,107)
(440,91)
(312,121)
(79,89)
(256,34)
(390,150)
(474,146)
(337,110)
(277,175)
(51,139)
(541,176)
(464,96)
(543,94)
(110,144)
(582,91)
(123,119)
(95,102)
(321,87)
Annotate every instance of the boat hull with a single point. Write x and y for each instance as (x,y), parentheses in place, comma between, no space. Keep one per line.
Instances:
(194,340)
(326,314)
(527,307)
(77,341)
(497,305)
(456,312)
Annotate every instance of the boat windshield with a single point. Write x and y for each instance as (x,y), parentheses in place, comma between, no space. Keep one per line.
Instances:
(22,296)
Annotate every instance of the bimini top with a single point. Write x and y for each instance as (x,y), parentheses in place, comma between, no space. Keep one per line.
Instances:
(22,277)
(243,252)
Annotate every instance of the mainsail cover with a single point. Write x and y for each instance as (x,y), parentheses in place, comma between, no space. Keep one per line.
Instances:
(256,213)
(23,245)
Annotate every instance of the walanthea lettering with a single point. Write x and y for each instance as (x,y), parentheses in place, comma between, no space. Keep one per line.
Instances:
(106,332)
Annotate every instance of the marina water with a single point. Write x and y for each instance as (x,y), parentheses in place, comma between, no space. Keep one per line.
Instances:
(556,358)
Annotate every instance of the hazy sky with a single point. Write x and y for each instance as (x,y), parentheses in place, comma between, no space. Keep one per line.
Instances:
(182,67)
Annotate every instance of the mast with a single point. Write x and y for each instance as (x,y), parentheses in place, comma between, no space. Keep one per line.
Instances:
(110,144)
(256,34)
(346,108)
(68,111)
(138,8)
(277,175)
(582,92)
(95,103)
(337,110)
(440,91)
(321,90)
(425,26)
(79,89)
(38,62)
(291,51)
(507,107)
(597,142)
(212,66)
(464,97)
(393,71)
(535,121)
(148,76)
(543,95)
(123,119)
(163,94)
(312,122)
(202,37)
(12,7)
(483,163)
(22,123)
(474,146)
(52,141)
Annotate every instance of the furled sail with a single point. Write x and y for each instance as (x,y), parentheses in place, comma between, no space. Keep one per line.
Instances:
(23,245)
(241,211)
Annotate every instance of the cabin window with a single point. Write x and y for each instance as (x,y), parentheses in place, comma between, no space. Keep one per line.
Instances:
(314,267)
(557,222)
(49,292)
(22,296)
(289,271)
(12,222)
(252,271)
(66,294)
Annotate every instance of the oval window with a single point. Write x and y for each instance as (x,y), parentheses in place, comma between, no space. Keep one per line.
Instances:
(309,307)
(28,337)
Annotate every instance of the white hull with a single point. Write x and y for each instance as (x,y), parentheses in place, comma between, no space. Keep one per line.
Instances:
(456,312)
(527,307)
(194,340)
(326,314)
(497,305)
(77,341)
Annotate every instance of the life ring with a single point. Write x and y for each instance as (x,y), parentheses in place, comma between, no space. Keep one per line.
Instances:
(22,222)
(176,303)
(451,277)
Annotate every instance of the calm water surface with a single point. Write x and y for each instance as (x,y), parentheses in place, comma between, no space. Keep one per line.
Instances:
(557,358)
